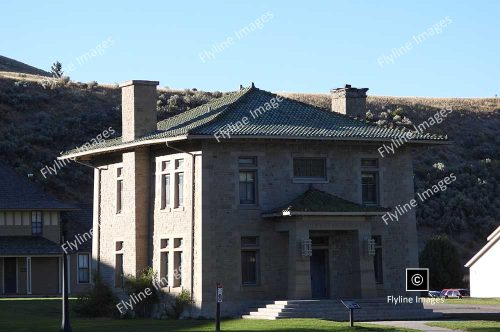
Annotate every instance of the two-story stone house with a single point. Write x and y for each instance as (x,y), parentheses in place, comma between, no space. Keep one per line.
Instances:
(30,240)
(273,198)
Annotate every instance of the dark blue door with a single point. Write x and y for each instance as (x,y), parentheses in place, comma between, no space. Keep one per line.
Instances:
(9,264)
(319,273)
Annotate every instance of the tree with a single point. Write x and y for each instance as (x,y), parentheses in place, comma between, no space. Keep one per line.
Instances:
(56,70)
(441,258)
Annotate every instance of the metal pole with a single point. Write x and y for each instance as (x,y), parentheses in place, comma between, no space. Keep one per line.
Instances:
(217,319)
(351,317)
(65,325)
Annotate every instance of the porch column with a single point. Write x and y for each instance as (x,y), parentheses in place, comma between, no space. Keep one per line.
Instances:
(59,261)
(367,273)
(28,275)
(299,270)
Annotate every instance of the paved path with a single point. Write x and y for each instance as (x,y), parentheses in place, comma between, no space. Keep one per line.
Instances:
(412,324)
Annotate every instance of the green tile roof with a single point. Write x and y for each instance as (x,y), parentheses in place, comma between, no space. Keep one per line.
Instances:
(291,119)
(317,201)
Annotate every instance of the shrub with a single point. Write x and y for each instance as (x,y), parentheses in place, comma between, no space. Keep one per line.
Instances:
(441,258)
(56,70)
(181,302)
(136,285)
(98,301)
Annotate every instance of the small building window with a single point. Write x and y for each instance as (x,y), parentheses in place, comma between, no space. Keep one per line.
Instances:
(36,223)
(248,180)
(83,268)
(250,268)
(369,181)
(119,189)
(377,260)
(309,169)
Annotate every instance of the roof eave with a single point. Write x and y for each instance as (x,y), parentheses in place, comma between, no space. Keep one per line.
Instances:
(415,141)
(487,246)
(121,147)
(299,213)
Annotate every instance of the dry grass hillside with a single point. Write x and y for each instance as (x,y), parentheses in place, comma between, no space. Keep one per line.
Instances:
(40,117)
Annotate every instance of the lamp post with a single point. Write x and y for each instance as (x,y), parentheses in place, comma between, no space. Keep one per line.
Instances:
(65,325)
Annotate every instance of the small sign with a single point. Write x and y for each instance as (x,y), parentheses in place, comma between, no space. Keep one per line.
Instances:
(219,293)
(350,304)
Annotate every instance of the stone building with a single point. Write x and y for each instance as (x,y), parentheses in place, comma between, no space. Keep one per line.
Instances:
(273,198)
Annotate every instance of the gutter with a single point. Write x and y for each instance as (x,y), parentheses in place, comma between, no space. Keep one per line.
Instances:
(292,213)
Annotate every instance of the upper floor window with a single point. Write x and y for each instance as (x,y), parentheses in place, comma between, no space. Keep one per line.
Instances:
(171,177)
(248,180)
(36,223)
(119,189)
(309,169)
(369,181)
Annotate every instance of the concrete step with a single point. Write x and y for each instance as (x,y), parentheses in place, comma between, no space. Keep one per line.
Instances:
(333,309)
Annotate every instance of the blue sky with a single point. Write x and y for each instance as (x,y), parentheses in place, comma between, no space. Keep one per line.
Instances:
(300,46)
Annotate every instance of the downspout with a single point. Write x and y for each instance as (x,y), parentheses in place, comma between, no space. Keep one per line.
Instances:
(193,168)
(98,244)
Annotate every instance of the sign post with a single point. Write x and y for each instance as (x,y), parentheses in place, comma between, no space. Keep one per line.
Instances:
(351,305)
(219,301)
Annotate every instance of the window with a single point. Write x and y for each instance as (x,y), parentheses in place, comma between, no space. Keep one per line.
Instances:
(119,274)
(369,181)
(119,271)
(377,260)
(36,223)
(164,268)
(165,191)
(119,189)
(178,268)
(250,260)
(248,180)
(179,189)
(83,269)
(310,169)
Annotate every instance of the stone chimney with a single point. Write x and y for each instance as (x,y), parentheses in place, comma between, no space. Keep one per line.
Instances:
(138,108)
(350,101)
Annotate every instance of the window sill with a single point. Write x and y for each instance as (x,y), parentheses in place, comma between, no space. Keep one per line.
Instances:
(294,180)
(252,288)
(177,209)
(249,206)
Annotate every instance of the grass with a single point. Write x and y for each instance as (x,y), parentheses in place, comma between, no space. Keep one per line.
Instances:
(475,326)
(472,300)
(43,315)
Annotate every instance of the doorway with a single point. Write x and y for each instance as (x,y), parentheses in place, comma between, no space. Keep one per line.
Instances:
(319,273)
(10,275)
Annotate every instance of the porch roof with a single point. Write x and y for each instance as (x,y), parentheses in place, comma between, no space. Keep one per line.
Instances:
(317,202)
(28,245)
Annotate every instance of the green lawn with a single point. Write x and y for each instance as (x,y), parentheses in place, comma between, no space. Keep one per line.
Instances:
(43,315)
(474,300)
(475,326)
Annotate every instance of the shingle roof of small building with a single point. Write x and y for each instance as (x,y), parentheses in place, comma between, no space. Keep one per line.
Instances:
(317,201)
(28,245)
(19,193)
(290,119)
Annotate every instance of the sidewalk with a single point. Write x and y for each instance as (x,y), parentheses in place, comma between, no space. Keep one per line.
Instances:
(412,324)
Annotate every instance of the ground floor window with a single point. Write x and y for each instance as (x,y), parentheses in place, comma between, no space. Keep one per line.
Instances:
(119,271)
(250,268)
(377,260)
(83,268)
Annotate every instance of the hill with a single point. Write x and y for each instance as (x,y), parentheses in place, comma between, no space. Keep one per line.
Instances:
(41,117)
(11,65)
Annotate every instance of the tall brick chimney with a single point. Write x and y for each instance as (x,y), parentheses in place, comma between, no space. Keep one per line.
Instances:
(350,101)
(138,108)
